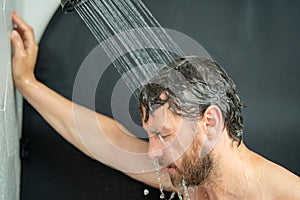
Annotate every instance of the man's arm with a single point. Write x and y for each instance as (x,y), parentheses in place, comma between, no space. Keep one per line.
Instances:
(96,135)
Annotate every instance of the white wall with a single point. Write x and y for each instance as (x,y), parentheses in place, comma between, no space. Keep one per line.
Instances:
(38,13)
(10,112)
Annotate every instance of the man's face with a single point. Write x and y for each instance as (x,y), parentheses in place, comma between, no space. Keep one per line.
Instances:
(176,142)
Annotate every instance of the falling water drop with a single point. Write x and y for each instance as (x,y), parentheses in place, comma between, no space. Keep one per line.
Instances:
(179,196)
(156,164)
(172,195)
(146,192)
(185,189)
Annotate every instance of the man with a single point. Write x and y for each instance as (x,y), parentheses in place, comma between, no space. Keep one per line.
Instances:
(195,97)
(192,114)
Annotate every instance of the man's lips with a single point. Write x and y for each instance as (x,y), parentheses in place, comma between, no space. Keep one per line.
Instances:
(171,168)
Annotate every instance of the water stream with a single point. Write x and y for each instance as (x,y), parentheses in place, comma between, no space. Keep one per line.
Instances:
(131,37)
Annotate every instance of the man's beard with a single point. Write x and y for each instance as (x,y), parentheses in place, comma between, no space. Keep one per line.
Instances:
(193,169)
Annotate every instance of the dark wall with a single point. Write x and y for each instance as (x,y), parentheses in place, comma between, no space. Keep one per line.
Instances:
(256,41)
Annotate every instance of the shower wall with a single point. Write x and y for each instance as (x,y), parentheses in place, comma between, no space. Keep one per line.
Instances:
(10,111)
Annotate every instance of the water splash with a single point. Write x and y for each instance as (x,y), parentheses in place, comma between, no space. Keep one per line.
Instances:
(179,196)
(157,167)
(185,188)
(162,195)
(172,195)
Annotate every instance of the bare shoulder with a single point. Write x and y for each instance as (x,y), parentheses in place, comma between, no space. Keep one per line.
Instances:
(277,181)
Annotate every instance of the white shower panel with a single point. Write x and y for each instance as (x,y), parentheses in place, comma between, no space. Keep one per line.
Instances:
(10,112)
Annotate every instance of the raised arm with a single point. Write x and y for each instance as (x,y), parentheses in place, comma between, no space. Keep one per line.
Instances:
(94,134)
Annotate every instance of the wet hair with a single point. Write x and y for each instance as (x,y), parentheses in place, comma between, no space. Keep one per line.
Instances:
(191,84)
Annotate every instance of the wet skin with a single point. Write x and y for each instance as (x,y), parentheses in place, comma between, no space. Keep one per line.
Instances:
(177,143)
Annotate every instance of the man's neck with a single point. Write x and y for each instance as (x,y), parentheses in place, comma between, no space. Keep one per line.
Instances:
(231,177)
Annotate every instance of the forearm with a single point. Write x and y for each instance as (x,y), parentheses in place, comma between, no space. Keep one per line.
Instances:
(105,141)
(54,108)
(85,129)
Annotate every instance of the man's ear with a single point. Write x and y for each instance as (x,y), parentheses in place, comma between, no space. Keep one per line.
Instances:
(213,122)
(212,126)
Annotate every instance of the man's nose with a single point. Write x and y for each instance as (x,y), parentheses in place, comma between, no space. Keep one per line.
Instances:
(155,147)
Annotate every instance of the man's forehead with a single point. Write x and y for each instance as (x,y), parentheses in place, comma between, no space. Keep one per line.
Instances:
(156,119)
(161,120)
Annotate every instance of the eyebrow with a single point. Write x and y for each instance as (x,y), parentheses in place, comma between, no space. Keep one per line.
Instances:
(155,132)
(161,131)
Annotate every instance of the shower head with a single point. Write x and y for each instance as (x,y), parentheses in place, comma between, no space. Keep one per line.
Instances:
(70,5)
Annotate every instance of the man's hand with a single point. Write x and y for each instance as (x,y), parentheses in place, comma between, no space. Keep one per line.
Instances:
(25,52)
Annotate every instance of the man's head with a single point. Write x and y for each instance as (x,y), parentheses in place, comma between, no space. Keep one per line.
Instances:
(173,102)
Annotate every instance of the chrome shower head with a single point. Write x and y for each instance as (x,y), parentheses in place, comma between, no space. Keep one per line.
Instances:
(70,5)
